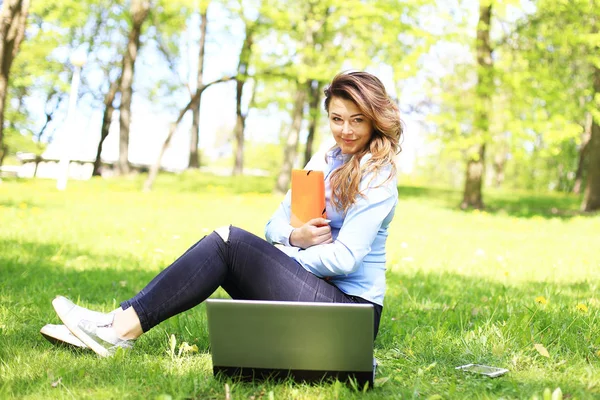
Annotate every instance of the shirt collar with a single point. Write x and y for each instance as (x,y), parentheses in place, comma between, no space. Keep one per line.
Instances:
(335,154)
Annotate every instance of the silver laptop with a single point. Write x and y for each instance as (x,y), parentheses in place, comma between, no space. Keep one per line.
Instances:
(300,340)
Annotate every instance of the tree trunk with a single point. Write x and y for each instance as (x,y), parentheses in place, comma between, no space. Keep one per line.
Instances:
(194,157)
(499,167)
(291,146)
(156,166)
(13,19)
(139,11)
(241,78)
(189,106)
(194,160)
(3,152)
(591,199)
(238,130)
(193,104)
(106,121)
(314,93)
(472,195)
(49,113)
(585,140)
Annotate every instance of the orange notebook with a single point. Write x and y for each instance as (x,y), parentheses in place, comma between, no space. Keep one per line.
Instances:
(308,196)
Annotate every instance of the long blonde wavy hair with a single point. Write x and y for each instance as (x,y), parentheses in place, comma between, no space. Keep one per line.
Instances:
(371,98)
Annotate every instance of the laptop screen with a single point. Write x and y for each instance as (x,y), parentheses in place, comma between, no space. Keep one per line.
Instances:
(330,339)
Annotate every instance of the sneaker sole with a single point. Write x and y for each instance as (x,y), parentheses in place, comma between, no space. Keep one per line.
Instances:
(63,342)
(81,335)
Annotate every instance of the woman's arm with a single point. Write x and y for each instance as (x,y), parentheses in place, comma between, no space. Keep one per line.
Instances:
(359,229)
(278,229)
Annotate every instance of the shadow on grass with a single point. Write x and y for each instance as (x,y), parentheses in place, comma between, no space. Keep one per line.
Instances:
(31,277)
(432,322)
(516,204)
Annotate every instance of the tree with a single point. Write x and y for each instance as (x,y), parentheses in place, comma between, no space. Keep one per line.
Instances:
(194,159)
(591,199)
(314,111)
(13,19)
(252,26)
(139,10)
(333,35)
(193,104)
(313,31)
(109,109)
(585,140)
(293,137)
(472,196)
(561,42)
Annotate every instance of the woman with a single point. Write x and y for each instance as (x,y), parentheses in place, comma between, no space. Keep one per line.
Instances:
(339,260)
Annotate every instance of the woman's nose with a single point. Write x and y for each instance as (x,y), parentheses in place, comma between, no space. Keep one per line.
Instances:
(346,128)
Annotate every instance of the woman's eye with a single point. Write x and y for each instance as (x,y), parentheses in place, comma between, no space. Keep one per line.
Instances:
(358,120)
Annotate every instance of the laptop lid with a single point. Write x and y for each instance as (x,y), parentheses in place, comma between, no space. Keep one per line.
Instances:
(308,340)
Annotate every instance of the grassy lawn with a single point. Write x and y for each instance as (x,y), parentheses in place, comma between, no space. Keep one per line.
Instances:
(463,287)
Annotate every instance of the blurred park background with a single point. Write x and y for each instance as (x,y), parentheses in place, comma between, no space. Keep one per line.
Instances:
(494,94)
(162,120)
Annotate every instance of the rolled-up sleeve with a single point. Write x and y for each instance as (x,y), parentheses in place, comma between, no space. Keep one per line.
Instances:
(278,229)
(361,225)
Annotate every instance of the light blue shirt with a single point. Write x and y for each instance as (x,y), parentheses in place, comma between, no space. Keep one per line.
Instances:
(355,261)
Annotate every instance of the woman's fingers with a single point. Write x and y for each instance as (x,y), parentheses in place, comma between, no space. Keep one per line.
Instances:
(316,231)
(324,238)
(323,230)
(329,240)
(319,222)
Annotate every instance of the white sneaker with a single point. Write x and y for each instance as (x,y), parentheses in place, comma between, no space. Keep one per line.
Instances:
(93,330)
(61,335)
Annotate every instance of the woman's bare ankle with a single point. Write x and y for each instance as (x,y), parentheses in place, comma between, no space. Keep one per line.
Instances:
(127,324)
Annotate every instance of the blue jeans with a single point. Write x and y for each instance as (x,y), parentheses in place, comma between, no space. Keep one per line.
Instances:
(246,266)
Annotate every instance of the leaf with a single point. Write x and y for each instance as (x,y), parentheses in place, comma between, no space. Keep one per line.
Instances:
(542,350)
(227,392)
(430,366)
(172,344)
(186,348)
(557,394)
(381,381)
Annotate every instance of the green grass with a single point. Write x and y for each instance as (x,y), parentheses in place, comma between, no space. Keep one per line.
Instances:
(462,288)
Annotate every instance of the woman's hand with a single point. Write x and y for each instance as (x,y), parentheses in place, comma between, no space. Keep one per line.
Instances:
(314,232)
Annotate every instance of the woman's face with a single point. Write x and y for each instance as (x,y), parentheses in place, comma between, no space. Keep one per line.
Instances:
(351,129)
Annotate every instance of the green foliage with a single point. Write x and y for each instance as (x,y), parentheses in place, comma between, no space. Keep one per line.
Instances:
(41,74)
(547,70)
(265,157)
(498,284)
(541,93)
(544,54)
(23,143)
